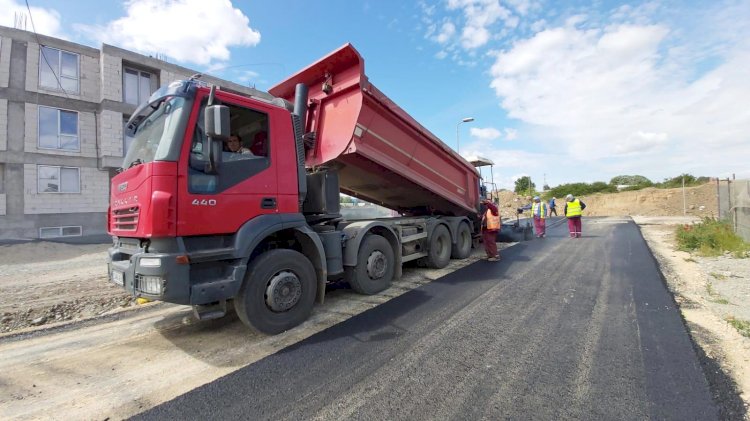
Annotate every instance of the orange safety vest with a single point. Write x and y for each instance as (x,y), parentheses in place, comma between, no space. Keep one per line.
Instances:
(574,208)
(542,211)
(493,222)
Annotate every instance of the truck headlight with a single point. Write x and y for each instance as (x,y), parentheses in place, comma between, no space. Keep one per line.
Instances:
(150,262)
(149,284)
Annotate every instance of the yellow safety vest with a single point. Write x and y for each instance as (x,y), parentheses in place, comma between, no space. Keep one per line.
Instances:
(536,206)
(493,222)
(574,208)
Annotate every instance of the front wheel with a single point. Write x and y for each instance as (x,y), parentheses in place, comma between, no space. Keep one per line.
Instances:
(278,292)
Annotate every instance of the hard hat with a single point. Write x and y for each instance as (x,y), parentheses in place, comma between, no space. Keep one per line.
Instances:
(536,198)
(569,198)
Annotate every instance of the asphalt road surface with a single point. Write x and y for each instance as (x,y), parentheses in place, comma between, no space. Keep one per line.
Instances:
(560,328)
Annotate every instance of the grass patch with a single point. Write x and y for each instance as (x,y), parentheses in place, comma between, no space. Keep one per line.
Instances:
(720,301)
(711,237)
(718,276)
(742,326)
(710,289)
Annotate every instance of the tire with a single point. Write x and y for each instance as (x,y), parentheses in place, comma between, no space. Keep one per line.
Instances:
(439,254)
(375,266)
(291,276)
(462,248)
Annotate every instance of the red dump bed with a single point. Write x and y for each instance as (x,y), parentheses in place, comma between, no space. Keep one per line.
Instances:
(383,155)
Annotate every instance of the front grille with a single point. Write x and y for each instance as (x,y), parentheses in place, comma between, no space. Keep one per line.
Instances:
(125,219)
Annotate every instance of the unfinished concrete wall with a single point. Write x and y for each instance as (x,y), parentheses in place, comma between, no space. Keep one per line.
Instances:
(734,205)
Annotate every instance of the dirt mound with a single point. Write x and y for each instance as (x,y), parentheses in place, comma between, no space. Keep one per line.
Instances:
(699,201)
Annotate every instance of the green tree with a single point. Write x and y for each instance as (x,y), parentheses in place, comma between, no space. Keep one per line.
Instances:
(690,180)
(630,180)
(524,185)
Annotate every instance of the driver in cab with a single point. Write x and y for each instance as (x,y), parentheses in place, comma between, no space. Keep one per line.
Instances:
(234,144)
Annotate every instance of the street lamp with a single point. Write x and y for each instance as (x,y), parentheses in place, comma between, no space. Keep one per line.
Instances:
(463,120)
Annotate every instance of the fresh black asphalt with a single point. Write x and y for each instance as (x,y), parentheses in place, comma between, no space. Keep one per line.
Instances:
(560,328)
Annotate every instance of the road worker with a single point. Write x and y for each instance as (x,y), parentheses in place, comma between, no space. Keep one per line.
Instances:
(539,213)
(573,211)
(552,206)
(490,227)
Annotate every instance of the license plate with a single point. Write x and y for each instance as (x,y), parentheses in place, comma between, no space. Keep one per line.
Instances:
(118,278)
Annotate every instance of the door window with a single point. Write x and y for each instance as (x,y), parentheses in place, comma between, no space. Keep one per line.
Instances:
(243,155)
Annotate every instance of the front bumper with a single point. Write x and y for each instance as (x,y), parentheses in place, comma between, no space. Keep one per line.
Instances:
(160,282)
(170,281)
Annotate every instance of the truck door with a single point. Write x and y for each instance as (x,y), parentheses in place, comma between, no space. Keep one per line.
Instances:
(244,185)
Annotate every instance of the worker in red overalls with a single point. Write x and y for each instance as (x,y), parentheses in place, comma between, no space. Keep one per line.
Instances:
(573,210)
(490,227)
(539,213)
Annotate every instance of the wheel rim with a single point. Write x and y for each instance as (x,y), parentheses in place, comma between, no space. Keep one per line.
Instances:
(283,291)
(377,264)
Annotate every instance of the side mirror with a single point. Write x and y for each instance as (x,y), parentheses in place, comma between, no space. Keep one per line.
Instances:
(216,119)
(216,122)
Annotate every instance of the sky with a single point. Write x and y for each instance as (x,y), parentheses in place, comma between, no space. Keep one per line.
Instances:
(561,91)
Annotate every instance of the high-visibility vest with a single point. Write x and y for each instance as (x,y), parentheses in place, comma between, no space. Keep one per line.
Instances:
(493,222)
(541,207)
(574,208)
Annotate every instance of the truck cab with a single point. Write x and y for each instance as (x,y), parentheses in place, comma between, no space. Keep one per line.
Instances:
(172,206)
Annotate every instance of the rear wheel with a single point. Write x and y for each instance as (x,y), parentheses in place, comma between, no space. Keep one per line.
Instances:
(375,266)
(439,254)
(462,248)
(278,292)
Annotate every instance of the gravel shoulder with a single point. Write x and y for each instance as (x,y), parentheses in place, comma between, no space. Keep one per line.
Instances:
(42,283)
(709,291)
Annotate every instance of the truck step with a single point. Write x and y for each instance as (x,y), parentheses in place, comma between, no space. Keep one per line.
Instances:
(209,312)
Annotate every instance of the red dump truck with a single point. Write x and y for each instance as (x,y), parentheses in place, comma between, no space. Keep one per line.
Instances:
(235,197)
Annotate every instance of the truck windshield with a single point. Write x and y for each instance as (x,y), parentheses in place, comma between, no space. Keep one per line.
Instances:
(155,132)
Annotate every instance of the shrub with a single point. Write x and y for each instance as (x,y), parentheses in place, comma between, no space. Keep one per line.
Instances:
(742,326)
(710,237)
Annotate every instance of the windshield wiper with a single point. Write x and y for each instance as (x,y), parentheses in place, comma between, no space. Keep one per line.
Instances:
(134,163)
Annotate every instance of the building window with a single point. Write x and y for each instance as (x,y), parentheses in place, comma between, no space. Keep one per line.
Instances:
(53,232)
(137,86)
(126,140)
(58,129)
(58,179)
(58,70)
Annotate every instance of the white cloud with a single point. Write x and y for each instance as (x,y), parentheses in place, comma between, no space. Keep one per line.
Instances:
(643,98)
(640,142)
(246,76)
(480,15)
(188,30)
(441,55)
(487,133)
(511,134)
(45,21)
(446,33)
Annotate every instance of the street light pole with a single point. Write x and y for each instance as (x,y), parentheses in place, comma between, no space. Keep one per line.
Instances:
(463,120)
